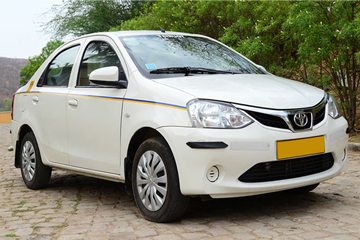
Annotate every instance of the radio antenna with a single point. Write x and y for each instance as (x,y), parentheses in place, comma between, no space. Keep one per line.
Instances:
(161,29)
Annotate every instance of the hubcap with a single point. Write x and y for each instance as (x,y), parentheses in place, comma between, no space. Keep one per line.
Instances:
(28,160)
(151,180)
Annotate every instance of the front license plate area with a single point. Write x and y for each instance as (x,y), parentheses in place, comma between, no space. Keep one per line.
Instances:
(300,147)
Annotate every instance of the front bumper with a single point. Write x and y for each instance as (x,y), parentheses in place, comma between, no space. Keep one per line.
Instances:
(246,147)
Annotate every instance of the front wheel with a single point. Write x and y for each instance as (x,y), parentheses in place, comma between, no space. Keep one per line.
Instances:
(155,182)
(34,173)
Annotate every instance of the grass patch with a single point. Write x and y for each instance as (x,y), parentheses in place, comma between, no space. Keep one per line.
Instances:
(64,224)
(59,203)
(21,203)
(19,211)
(10,235)
(78,200)
(354,137)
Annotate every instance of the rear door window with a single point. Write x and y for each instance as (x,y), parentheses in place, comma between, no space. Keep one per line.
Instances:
(59,71)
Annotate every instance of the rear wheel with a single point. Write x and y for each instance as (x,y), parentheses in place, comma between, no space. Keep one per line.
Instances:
(155,182)
(34,173)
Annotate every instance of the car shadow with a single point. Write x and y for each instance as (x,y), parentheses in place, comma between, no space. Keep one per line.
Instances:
(273,205)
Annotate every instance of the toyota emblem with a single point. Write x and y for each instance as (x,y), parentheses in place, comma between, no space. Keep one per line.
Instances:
(300,119)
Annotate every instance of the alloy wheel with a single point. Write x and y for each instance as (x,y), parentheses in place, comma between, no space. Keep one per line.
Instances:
(151,180)
(28,160)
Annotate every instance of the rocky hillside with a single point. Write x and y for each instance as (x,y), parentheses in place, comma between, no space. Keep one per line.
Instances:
(10,76)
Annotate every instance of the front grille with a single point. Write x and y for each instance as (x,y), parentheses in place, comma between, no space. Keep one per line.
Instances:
(314,117)
(286,169)
(269,120)
(319,116)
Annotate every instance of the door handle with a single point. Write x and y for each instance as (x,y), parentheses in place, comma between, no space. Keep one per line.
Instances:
(35,99)
(73,102)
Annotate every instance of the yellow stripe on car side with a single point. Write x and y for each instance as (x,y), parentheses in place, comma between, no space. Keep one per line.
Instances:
(110,98)
(30,86)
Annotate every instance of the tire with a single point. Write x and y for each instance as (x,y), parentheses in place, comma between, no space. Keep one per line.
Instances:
(155,182)
(303,190)
(34,173)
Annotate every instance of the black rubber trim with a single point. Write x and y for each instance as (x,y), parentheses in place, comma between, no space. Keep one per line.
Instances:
(207,145)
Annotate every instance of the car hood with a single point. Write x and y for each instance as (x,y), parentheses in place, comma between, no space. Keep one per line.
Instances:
(258,90)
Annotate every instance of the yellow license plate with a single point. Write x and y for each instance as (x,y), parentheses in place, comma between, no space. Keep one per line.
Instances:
(300,147)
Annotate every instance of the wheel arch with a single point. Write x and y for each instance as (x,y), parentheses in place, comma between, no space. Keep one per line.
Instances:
(22,132)
(137,139)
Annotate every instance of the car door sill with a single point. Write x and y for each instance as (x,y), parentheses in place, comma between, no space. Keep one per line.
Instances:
(90,173)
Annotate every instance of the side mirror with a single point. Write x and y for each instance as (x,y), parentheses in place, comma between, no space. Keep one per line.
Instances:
(108,76)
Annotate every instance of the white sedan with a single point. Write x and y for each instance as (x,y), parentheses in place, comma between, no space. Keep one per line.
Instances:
(173,115)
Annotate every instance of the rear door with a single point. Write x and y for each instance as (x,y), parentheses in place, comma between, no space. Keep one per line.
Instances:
(48,104)
(94,111)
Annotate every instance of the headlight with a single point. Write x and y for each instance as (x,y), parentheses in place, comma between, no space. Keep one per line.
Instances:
(211,114)
(334,109)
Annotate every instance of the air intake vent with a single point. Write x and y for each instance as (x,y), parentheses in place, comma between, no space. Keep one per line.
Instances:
(286,169)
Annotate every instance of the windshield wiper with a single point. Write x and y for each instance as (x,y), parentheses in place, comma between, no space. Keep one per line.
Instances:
(188,70)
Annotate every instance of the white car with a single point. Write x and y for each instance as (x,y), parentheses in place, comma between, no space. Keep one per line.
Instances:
(173,115)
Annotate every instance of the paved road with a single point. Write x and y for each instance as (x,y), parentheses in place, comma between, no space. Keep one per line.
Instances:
(77,207)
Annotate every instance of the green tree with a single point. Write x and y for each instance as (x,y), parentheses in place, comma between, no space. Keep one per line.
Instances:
(202,17)
(257,34)
(7,103)
(328,34)
(79,17)
(35,62)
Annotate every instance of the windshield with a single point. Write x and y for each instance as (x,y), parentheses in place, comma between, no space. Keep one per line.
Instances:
(156,56)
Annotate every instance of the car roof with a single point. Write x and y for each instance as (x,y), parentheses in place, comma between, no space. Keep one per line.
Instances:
(130,33)
(137,33)
(147,32)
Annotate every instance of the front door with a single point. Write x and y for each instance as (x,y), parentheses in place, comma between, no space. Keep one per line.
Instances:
(94,112)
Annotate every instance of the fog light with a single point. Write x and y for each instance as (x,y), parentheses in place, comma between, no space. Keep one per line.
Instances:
(213,174)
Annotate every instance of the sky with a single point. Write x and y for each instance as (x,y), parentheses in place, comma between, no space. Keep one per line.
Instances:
(21,33)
